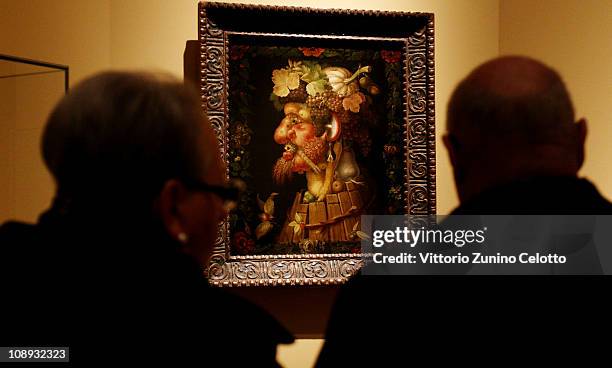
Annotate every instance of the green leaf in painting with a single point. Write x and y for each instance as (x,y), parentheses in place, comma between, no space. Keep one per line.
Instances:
(315,87)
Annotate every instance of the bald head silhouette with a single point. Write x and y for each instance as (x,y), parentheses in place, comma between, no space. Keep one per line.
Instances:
(511,119)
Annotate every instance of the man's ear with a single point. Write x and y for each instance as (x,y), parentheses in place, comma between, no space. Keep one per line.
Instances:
(449,143)
(581,127)
(169,202)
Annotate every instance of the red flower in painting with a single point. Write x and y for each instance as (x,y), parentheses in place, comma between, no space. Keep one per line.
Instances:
(237,52)
(390,56)
(242,243)
(311,51)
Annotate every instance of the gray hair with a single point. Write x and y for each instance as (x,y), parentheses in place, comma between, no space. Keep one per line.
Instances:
(124,134)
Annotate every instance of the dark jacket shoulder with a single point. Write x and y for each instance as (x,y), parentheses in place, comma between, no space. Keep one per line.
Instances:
(553,195)
(89,287)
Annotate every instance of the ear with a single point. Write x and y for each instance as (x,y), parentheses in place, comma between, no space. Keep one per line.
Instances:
(451,148)
(581,126)
(169,202)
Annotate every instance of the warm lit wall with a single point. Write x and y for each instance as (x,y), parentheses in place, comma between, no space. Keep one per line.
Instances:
(7,125)
(152,33)
(574,37)
(72,32)
(26,183)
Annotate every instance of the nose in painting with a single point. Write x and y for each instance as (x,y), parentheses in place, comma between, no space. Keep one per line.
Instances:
(280,134)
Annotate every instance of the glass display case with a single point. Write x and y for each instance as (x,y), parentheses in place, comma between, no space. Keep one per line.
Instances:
(29,89)
(15,67)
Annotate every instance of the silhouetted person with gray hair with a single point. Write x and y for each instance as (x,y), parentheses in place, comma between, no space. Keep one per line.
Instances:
(115,268)
(515,148)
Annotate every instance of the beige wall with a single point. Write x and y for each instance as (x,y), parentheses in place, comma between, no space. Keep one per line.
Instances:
(574,37)
(72,32)
(35,96)
(151,33)
(8,96)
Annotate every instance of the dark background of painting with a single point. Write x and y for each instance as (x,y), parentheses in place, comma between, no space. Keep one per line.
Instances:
(265,118)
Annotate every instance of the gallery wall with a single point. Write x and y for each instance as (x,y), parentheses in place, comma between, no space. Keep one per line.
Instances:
(7,125)
(574,37)
(70,32)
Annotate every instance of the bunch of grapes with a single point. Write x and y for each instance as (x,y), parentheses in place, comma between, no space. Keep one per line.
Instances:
(316,102)
(334,102)
(295,95)
(320,117)
(321,107)
(319,113)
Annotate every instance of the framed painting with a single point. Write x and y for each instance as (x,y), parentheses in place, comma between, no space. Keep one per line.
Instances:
(325,115)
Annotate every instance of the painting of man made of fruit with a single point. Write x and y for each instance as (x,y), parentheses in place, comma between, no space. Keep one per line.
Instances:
(318,136)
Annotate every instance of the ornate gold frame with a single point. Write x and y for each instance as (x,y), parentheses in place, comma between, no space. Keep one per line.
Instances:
(218,20)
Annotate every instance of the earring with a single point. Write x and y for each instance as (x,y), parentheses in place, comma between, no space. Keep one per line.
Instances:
(183,238)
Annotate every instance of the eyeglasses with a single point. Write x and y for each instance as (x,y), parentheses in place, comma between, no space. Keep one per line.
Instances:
(229,193)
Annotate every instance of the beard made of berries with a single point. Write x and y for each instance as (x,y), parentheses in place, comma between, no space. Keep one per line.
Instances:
(295,95)
(315,150)
(283,169)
